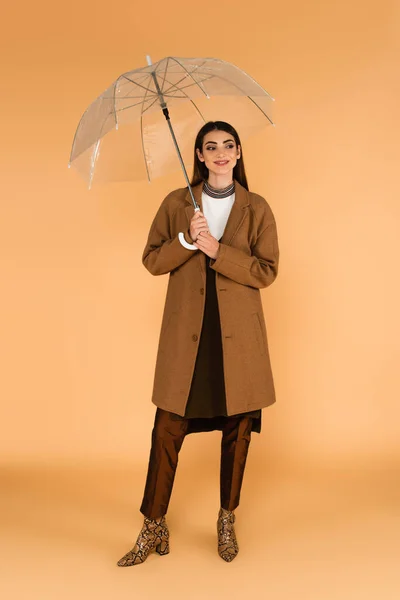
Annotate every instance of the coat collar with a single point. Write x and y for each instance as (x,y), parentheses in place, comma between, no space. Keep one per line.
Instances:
(236,216)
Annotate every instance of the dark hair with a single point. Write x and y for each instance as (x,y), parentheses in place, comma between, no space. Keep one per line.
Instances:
(200,171)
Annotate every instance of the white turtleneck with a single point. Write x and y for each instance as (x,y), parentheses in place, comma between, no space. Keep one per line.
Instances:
(216,212)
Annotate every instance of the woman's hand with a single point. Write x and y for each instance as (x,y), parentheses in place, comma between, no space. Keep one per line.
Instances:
(198,224)
(207,244)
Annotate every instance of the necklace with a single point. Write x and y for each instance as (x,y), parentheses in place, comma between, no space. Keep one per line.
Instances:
(216,193)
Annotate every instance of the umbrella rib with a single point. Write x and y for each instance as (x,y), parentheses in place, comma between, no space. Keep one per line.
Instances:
(187,72)
(152,104)
(190,84)
(177,83)
(133,105)
(147,89)
(166,67)
(190,75)
(140,98)
(128,97)
(192,101)
(143,148)
(246,95)
(156,97)
(184,87)
(141,86)
(90,144)
(75,138)
(115,112)
(249,97)
(163,78)
(183,97)
(259,107)
(244,73)
(95,153)
(138,84)
(93,161)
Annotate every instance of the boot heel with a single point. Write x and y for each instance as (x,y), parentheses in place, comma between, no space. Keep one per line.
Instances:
(163,548)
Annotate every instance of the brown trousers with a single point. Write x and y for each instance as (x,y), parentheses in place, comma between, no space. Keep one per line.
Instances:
(167,438)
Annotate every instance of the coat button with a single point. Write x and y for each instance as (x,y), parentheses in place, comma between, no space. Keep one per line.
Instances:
(202,291)
(194,338)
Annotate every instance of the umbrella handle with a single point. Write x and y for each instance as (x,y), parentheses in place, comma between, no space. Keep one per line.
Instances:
(184,242)
(182,237)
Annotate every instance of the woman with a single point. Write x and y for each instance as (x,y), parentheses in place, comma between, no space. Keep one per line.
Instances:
(213,368)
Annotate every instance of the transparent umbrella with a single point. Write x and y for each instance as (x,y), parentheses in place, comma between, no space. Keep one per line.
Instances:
(126,133)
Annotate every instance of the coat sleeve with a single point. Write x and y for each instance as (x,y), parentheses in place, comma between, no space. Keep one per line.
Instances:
(162,252)
(259,269)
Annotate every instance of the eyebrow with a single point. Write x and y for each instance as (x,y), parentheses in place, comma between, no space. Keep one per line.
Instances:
(224,142)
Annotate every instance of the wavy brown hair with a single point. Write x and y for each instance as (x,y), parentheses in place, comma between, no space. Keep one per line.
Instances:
(200,171)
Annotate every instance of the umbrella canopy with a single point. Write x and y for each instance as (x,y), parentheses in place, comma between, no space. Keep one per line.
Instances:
(126,134)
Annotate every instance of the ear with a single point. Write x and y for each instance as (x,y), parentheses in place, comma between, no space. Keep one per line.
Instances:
(239,151)
(200,157)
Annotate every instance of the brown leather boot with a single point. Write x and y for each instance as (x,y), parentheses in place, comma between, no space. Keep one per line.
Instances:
(153,535)
(227,542)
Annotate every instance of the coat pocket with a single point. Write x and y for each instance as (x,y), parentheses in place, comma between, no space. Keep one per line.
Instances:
(259,333)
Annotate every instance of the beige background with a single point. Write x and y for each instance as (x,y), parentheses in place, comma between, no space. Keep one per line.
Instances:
(80,315)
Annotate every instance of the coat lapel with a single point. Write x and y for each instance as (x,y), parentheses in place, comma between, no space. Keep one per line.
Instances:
(236,216)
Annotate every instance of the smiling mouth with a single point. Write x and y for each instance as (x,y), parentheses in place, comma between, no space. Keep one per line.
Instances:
(221,162)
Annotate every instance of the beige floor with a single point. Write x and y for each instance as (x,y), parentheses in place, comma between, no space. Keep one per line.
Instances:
(318,534)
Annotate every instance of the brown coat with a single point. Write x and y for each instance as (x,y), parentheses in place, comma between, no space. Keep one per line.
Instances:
(247,261)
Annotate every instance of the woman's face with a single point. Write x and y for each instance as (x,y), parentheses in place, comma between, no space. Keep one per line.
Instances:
(220,153)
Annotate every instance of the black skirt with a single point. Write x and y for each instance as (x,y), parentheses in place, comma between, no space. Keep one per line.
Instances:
(206,406)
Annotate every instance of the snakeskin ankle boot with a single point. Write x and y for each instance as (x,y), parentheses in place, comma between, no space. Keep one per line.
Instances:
(153,535)
(227,542)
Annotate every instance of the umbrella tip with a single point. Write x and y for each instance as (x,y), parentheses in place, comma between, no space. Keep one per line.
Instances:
(148,60)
